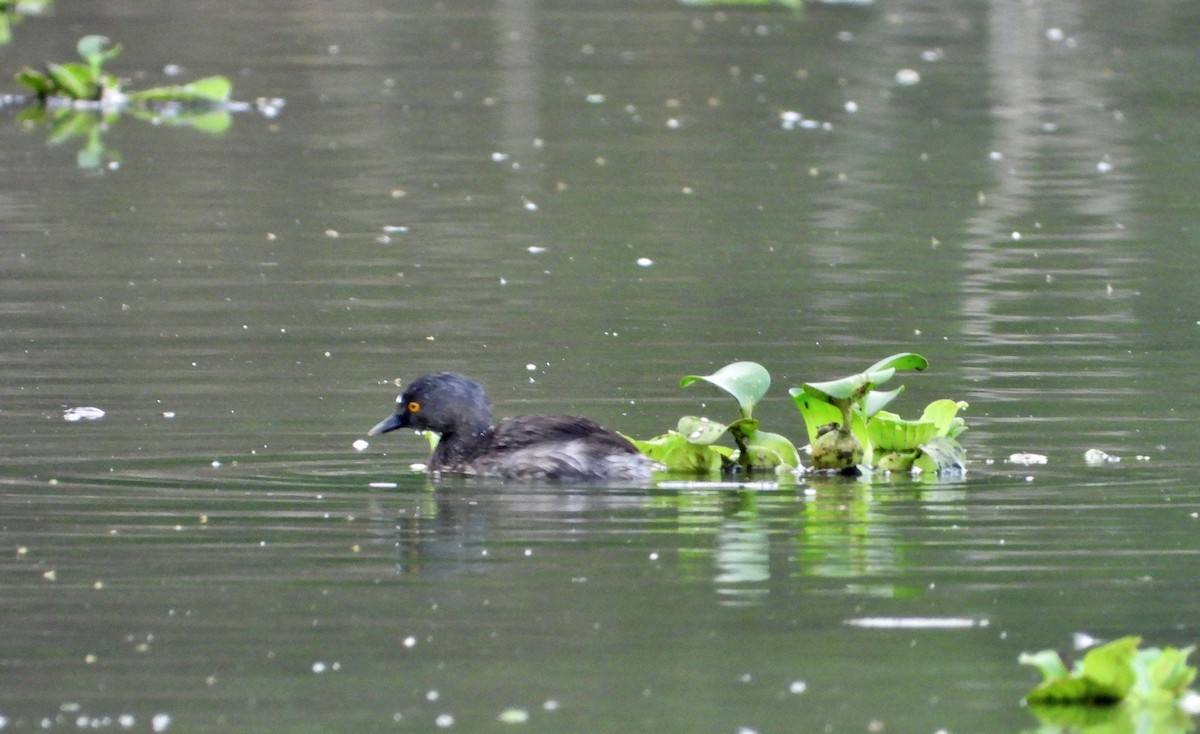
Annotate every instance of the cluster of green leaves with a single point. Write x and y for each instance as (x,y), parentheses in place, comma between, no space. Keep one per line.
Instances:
(692,446)
(1116,672)
(846,425)
(88,81)
(1115,687)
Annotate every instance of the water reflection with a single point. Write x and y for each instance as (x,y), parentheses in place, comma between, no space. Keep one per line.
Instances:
(831,528)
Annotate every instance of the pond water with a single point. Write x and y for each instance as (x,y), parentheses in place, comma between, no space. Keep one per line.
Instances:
(577,204)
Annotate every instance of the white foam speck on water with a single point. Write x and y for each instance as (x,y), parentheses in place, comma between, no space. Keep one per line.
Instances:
(499,157)
(382,485)
(444,721)
(83,413)
(160,722)
(361,445)
(535,250)
(908,77)
(595,98)
(644,262)
(798,686)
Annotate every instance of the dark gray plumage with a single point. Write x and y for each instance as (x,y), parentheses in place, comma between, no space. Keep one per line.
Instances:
(556,447)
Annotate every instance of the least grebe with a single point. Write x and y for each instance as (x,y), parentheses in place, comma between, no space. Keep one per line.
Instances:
(560,447)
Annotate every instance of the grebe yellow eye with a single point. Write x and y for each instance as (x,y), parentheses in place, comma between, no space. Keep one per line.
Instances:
(414,406)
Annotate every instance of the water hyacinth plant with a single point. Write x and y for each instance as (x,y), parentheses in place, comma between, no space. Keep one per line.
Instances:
(1115,687)
(847,427)
(692,446)
(87,81)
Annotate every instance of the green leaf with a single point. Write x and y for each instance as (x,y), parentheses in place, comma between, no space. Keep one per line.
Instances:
(41,84)
(816,412)
(942,413)
(770,450)
(747,382)
(1105,676)
(674,451)
(877,400)
(897,461)
(901,361)
(1049,662)
(95,50)
(890,432)
(210,90)
(700,431)
(1163,672)
(851,388)
(74,80)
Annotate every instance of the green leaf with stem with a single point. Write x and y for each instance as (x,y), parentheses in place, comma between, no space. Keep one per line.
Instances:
(95,50)
(74,80)
(209,90)
(747,382)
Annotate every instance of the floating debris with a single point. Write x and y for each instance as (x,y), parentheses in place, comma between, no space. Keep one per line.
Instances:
(1096,457)
(86,413)
(917,622)
(513,716)
(1027,459)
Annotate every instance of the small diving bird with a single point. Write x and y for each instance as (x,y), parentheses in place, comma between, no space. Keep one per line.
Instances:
(553,447)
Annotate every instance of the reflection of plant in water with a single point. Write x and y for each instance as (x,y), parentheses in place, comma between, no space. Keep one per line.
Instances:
(67,124)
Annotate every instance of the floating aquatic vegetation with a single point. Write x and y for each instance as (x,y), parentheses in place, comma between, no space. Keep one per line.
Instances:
(848,427)
(692,446)
(1114,687)
(87,81)
(81,100)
